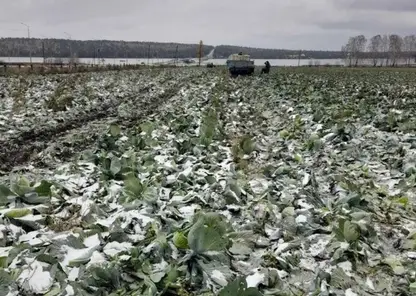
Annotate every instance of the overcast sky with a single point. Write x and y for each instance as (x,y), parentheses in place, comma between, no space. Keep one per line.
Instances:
(294,24)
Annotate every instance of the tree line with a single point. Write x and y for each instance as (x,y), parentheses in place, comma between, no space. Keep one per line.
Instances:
(223,51)
(380,50)
(64,48)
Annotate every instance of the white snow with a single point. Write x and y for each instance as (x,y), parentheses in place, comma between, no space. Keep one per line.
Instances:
(346,266)
(304,205)
(91,189)
(370,284)
(187,172)
(114,248)
(189,211)
(301,219)
(306,179)
(92,241)
(319,247)
(35,280)
(259,186)
(69,290)
(124,257)
(76,254)
(308,264)
(171,179)
(4,252)
(349,292)
(255,279)
(73,274)
(176,199)
(344,245)
(161,158)
(32,239)
(281,248)
(96,259)
(219,278)
(411,255)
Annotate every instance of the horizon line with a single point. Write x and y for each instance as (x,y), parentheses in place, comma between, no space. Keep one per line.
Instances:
(169,42)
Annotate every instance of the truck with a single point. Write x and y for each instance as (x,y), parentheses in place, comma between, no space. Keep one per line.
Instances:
(240,64)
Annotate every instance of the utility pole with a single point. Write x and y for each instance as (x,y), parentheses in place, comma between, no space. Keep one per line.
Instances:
(101,56)
(176,55)
(70,46)
(43,47)
(95,52)
(125,53)
(28,36)
(43,51)
(148,55)
(300,52)
(200,52)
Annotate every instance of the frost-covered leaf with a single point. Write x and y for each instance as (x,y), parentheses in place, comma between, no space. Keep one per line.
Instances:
(133,187)
(218,271)
(351,231)
(115,166)
(247,145)
(146,127)
(21,186)
(3,262)
(115,130)
(409,244)
(5,278)
(180,240)
(289,211)
(340,280)
(259,186)
(17,213)
(44,188)
(240,249)
(54,292)
(208,234)
(32,198)
(395,265)
(46,259)
(4,193)
(239,287)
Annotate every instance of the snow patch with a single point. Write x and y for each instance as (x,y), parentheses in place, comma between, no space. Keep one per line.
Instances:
(114,248)
(255,279)
(219,278)
(35,280)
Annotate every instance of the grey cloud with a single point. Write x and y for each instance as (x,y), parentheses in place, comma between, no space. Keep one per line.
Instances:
(363,26)
(380,5)
(63,11)
(371,22)
(306,24)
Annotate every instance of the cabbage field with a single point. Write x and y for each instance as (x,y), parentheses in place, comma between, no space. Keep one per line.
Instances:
(187,182)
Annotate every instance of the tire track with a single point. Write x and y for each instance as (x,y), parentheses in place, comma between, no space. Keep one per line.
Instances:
(18,151)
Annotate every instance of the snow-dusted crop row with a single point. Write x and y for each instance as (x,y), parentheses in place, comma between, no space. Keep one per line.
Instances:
(297,183)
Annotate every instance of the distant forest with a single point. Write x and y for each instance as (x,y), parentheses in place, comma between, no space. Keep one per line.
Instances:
(63,48)
(223,51)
